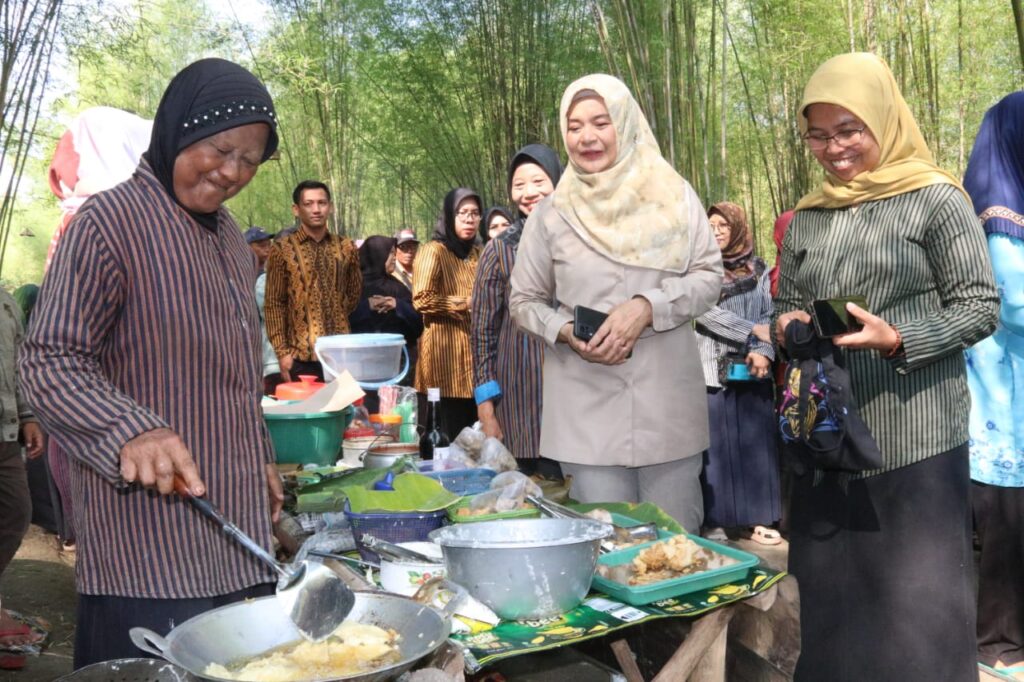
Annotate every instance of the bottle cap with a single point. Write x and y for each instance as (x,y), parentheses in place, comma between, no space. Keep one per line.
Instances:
(434,395)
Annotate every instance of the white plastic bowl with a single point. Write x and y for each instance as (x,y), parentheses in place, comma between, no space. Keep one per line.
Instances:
(374,360)
(406,577)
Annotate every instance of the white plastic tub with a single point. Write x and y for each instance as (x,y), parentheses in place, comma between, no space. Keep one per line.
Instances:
(374,360)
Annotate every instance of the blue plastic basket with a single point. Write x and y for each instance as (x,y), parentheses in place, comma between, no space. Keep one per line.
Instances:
(393,527)
(460,481)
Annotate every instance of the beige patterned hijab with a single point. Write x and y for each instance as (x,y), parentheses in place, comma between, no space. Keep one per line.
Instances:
(636,211)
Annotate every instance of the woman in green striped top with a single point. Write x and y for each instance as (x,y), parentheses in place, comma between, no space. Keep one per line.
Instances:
(884,558)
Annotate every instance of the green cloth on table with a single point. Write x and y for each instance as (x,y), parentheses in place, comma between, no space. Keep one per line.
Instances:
(412,492)
(599,615)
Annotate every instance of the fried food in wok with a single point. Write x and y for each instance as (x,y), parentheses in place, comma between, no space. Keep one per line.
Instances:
(352,649)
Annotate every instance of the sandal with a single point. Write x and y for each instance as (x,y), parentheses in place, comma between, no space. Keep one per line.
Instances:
(764,535)
(12,661)
(715,534)
(22,633)
(1013,672)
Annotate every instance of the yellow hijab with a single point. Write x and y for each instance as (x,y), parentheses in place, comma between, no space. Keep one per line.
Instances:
(862,84)
(635,212)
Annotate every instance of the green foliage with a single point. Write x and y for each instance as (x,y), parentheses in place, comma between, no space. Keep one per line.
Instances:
(393,102)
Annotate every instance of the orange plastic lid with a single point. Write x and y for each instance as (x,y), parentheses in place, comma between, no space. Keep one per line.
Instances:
(306,386)
(386,418)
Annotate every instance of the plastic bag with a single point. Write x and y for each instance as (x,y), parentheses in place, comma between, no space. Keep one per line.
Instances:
(517,480)
(484,503)
(457,455)
(471,440)
(332,541)
(494,455)
(510,497)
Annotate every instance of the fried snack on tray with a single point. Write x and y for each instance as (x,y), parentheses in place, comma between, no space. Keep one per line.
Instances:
(679,555)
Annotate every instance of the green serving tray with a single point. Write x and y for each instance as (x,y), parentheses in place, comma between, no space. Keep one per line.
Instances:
(638,595)
(453,513)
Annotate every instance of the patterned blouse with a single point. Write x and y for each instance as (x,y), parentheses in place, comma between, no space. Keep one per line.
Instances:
(312,288)
(507,361)
(441,285)
(729,326)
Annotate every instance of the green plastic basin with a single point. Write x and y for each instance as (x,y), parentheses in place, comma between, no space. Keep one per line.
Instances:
(311,438)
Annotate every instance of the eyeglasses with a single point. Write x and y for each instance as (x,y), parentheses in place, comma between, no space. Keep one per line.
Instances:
(843,138)
(468,215)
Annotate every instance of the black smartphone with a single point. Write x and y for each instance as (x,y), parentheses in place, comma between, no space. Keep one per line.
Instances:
(586,322)
(831,317)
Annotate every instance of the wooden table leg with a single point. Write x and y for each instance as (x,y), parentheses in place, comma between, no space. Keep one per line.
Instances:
(627,663)
(702,642)
(711,666)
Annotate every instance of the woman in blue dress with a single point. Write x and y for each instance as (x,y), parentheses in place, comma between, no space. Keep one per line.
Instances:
(995,374)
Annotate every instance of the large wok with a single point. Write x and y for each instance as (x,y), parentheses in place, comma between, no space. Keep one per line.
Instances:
(250,628)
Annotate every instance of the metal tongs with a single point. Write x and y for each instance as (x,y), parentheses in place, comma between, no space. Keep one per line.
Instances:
(624,535)
(389,550)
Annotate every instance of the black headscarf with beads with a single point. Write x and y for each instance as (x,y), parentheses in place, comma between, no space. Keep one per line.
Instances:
(205,98)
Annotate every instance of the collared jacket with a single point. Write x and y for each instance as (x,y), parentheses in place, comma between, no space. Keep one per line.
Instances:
(651,409)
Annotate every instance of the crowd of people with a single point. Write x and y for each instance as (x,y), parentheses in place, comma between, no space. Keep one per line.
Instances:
(160,325)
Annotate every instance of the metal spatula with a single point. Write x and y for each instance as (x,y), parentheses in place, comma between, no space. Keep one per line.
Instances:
(314,597)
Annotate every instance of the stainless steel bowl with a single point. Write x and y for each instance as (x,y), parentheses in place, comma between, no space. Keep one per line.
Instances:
(523,568)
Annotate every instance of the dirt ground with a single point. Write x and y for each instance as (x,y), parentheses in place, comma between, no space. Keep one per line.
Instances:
(41,582)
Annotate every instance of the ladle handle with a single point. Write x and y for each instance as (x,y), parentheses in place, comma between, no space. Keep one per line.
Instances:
(149,641)
(210,511)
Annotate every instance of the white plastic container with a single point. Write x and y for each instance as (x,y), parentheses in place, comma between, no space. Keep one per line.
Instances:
(407,576)
(374,360)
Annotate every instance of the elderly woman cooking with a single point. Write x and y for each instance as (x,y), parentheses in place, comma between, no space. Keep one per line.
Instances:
(883,557)
(625,413)
(144,359)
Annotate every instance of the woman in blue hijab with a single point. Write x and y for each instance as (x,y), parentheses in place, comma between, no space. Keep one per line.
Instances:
(995,373)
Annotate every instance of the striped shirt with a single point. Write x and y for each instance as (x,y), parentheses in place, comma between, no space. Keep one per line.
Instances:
(312,288)
(441,285)
(729,327)
(920,259)
(148,320)
(507,361)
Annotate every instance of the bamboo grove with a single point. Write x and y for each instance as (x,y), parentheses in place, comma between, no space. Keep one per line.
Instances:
(393,102)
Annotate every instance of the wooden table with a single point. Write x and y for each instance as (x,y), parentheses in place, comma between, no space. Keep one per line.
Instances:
(701,655)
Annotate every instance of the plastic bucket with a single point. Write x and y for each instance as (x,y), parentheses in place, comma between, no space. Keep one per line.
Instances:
(373,360)
(312,438)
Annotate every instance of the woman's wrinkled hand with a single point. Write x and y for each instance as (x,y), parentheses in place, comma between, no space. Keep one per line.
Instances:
(785,319)
(877,333)
(759,365)
(763,332)
(154,457)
